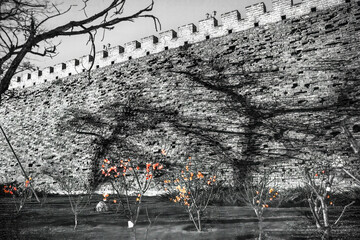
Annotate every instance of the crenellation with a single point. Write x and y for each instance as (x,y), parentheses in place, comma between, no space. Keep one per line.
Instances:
(168,39)
(209,28)
(281,8)
(133,50)
(116,55)
(25,79)
(187,32)
(132,46)
(252,16)
(256,15)
(113,55)
(101,55)
(168,35)
(207,24)
(230,20)
(150,40)
(60,71)
(121,49)
(254,11)
(90,58)
(73,67)
(149,44)
(48,74)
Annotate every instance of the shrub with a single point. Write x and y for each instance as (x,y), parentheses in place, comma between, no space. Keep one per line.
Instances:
(193,190)
(258,194)
(322,177)
(130,175)
(19,194)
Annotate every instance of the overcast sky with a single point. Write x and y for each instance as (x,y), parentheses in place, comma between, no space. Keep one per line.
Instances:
(172,14)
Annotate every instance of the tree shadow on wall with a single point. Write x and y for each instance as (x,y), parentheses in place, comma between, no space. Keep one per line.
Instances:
(272,128)
(116,130)
(138,130)
(243,124)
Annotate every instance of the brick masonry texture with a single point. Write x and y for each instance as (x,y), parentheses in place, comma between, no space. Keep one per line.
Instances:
(266,97)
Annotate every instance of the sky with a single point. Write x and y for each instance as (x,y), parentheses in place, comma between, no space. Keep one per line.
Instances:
(171,13)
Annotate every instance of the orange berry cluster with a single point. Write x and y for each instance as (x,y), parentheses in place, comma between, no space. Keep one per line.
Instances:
(323,172)
(187,184)
(271,196)
(105,195)
(10,189)
(125,167)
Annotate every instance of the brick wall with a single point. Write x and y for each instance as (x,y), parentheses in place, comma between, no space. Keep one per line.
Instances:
(259,98)
(255,14)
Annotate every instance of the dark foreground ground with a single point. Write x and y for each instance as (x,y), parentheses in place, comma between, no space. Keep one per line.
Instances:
(54,220)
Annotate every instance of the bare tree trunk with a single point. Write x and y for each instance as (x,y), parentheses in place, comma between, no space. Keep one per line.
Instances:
(134,237)
(199,220)
(258,214)
(325,214)
(5,81)
(76,220)
(327,227)
(261,230)
(314,211)
(193,220)
(327,234)
(138,211)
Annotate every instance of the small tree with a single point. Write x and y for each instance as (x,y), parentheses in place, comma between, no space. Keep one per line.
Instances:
(19,193)
(258,194)
(193,190)
(321,180)
(356,148)
(78,191)
(130,175)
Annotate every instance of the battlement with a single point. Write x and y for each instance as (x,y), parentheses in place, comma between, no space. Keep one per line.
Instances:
(256,15)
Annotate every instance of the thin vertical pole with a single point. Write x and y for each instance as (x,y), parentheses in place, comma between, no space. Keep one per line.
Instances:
(17,159)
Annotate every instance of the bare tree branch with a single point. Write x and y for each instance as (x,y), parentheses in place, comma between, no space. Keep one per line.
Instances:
(22,29)
(352,176)
(342,213)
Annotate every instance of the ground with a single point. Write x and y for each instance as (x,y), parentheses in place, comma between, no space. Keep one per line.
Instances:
(54,220)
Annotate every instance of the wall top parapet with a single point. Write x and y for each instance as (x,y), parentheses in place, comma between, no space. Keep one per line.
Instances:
(255,15)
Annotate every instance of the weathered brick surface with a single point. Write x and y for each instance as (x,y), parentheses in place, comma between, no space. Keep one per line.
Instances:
(261,96)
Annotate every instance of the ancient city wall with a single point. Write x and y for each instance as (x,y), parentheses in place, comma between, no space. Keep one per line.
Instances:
(274,96)
(258,14)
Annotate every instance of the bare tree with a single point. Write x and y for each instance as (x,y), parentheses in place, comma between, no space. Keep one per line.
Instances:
(23,29)
(258,194)
(78,191)
(355,147)
(128,176)
(321,180)
(193,190)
